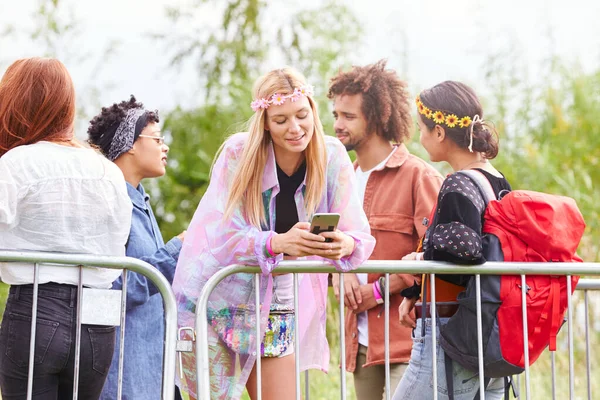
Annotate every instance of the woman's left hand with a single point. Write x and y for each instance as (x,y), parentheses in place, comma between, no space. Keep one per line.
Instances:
(341,246)
(404,311)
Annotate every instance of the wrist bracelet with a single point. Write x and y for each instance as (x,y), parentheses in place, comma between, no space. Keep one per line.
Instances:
(270,252)
(377,293)
(377,286)
(381,285)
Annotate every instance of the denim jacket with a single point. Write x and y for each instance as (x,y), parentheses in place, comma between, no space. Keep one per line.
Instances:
(144,325)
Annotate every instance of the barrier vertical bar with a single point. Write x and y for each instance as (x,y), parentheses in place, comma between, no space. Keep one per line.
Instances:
(34,306)
(306,386)
(553,366)
(297,338)
(258,337)
(525,334)
(386,335)
(587,346)
(433,336)
(78,335)
(479,337)
(571,357)
(342,341)
(122,335)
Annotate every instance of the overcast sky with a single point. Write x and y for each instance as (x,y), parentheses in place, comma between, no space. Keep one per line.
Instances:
(440,39)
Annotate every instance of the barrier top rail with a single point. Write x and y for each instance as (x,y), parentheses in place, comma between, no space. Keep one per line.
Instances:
(131,264)
(429,267)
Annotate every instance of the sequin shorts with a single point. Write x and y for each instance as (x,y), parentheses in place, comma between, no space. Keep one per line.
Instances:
(236,328)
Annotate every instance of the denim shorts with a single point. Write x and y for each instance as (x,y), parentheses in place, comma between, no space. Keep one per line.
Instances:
(417,382)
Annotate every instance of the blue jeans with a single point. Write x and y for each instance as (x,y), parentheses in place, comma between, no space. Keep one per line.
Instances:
(54,346)
(417,382)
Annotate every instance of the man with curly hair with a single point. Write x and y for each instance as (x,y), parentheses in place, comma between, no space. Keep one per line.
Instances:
(372,115)
(129,135)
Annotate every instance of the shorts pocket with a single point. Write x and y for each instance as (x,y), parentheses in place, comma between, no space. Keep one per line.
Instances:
(19,333)
(102,339)
(418,347)
(416,338)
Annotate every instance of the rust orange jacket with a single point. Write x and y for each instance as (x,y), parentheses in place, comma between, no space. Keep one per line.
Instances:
(397,199)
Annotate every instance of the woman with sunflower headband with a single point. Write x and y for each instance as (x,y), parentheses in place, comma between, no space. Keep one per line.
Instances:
(452,129)
(265,185)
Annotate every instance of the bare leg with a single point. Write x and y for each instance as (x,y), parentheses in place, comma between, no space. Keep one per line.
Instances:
(278,378)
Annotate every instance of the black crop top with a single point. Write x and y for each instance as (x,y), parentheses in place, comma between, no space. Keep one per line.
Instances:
(286,213)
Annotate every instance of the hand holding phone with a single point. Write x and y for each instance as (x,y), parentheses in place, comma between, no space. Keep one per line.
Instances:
(319,238)
(324,222)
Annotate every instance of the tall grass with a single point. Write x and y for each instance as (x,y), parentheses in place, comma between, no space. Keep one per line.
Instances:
(3,295)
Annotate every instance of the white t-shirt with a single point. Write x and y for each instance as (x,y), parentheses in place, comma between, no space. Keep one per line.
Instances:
(62,199)
(362,178)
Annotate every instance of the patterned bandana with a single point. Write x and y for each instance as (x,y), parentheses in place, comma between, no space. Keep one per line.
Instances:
(122,141)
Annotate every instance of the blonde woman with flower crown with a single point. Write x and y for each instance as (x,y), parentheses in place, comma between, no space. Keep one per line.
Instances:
(265,186)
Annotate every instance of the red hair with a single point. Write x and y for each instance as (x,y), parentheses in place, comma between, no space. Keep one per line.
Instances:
(37,102)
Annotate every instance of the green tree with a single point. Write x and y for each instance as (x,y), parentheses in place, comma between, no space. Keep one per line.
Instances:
(550,138)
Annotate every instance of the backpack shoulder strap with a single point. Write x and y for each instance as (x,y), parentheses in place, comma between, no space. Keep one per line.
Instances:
(482,183)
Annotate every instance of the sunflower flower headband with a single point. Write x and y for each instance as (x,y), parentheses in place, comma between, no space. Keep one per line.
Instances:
(279,99)
(450,120)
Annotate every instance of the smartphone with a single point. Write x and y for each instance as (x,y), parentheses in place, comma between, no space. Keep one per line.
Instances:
(324,222)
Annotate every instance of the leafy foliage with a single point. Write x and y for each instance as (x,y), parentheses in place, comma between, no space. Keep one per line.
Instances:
(552,143)
(194,138)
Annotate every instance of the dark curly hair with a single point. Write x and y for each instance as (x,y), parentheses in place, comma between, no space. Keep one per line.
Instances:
(453,97)
(103,126)
(385,100)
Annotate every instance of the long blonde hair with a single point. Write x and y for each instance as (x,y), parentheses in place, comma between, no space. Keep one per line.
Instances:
(246,187)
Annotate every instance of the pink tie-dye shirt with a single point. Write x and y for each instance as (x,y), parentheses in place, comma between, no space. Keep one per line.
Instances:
(212,243)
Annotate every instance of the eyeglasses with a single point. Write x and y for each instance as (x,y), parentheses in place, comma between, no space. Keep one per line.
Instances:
(158,139)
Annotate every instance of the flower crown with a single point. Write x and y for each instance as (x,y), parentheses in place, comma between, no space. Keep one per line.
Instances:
(279,99)
(451,120)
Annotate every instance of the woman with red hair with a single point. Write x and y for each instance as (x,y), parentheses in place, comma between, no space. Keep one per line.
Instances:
(55,195)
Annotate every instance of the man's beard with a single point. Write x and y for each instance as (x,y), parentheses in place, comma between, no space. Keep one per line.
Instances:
(350,146)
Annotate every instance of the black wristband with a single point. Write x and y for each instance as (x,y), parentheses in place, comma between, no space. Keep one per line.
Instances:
(412,292)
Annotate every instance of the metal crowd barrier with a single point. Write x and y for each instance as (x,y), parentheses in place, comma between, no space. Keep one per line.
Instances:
(125,263)
(405,267)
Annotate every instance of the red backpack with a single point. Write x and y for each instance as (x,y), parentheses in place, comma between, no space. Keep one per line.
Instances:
(521,226)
